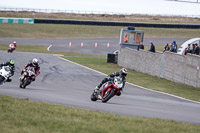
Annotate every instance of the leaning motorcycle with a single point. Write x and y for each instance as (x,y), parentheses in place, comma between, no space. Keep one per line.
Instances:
(11,48)
(28,77)
(108,90)
(5,73)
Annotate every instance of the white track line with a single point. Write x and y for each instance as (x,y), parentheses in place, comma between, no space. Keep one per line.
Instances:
(131,83)
(49,47)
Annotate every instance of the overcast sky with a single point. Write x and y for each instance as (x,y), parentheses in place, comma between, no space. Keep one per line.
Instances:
(162,7)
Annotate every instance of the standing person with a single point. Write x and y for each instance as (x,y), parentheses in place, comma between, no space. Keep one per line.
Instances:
(126,38)
(12,46)
(193,49)
(171,48)
(152,48)
(175,46)
(196,49)
(141,46)
(166,48)
(187,50)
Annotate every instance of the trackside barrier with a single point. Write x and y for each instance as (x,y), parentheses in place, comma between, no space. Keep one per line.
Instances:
(17,20)
(111,23)
(167,65)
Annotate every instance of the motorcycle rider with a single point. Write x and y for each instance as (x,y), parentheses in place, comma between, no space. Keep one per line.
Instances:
(35,65)
(11,64)
(123,72)
(12,46)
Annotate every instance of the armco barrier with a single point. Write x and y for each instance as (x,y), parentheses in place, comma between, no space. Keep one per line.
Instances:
(104,23)
(17,20)
(168,65)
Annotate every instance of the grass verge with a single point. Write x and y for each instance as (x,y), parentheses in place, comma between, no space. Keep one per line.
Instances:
(24,116)
(80,31)
(99,63)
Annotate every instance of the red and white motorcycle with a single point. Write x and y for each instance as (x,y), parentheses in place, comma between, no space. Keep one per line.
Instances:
(108,90)
(27,77)
(11,48)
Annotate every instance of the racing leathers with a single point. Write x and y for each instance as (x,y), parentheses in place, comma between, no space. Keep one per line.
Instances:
(36,67)
(109,78)
(12,69)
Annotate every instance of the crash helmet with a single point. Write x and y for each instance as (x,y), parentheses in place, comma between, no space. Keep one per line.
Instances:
(14,42)
(12,63)
(35,62)
(123,72)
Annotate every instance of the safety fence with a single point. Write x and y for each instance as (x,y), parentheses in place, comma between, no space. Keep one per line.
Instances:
(17,20)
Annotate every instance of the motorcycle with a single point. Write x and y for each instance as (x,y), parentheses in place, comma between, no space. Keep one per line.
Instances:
(5,73)
(108,90)
(11,48)
(28,77)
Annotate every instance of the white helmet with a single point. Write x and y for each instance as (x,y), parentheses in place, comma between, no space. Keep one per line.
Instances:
(14,42)
(123,72)
(35,62)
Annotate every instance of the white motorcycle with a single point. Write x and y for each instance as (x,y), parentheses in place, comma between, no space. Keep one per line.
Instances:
(5,73)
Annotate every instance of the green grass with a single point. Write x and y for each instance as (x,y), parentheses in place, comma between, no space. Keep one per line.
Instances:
(24,116)
(80,31)
(99,63)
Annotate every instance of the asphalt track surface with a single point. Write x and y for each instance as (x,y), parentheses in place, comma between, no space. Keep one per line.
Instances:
(66,83)
(62,44)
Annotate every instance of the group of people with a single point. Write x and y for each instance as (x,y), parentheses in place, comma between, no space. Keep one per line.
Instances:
(172,47)
(193,50)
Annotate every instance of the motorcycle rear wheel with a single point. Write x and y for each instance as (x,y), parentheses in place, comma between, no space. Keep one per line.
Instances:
(108,96)
(93,96)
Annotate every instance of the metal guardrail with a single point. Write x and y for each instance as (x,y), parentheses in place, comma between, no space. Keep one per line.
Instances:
(104,23)
(60,11)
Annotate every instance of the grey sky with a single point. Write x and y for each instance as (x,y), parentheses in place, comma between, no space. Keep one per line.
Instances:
(162,7)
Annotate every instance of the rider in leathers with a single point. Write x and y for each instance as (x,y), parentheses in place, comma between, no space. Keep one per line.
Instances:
(35,65)
(11,64)
(123,72)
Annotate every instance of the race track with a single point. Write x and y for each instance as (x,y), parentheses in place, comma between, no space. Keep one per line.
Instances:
(66,83)
(62,44)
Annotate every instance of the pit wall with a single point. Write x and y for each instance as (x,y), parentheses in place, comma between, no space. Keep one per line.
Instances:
(167,65)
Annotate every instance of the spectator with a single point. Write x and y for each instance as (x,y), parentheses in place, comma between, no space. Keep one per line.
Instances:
(193,49)
(166,48)
(126,38)
(196,49)
(141,46)
(152,47)
(175,46)
(187,50)
(171,48)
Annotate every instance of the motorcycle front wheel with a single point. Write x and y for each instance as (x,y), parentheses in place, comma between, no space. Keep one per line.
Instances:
(108,96)
(25,83)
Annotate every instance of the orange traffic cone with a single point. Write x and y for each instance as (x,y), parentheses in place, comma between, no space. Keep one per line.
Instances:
(70,44)
(81,44)
(95,45)
(108,45)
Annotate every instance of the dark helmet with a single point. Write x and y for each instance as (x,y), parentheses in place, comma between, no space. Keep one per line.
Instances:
(12,63)
(123,72)
(35,62)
